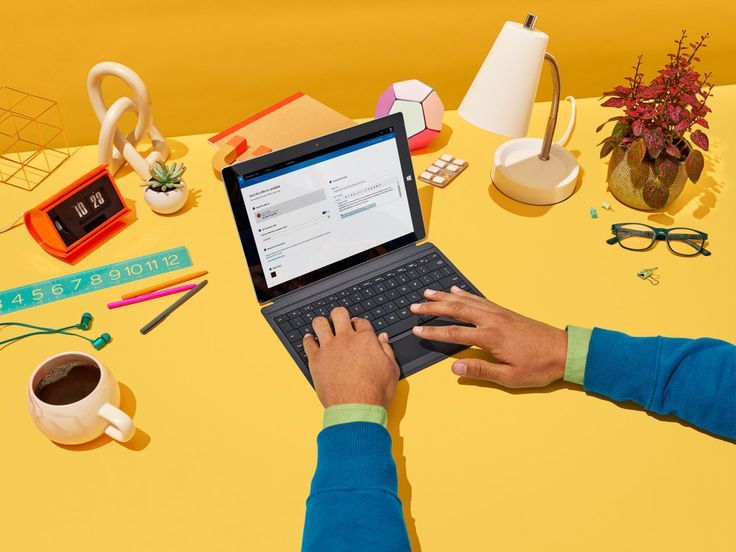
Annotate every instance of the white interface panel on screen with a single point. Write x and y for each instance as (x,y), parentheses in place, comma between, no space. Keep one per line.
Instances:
(317,212)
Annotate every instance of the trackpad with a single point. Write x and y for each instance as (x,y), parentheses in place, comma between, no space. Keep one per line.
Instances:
(411,347)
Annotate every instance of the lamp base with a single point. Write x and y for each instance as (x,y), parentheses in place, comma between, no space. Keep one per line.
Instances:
(519,173)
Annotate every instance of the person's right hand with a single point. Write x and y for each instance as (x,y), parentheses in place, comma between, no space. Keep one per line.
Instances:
(527,353)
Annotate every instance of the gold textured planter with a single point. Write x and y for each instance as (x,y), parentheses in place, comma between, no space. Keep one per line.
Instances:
(627,183)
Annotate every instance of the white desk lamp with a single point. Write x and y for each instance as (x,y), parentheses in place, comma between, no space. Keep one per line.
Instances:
(500,100)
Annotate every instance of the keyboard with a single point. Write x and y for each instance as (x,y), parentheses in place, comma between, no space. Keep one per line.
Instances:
(384,300)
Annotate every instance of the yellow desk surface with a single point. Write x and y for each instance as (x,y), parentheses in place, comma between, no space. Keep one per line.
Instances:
(226,443)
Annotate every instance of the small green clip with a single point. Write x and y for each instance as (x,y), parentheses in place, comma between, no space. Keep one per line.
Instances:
(648,274)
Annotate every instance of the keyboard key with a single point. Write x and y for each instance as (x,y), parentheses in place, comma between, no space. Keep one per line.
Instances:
(402,279)
(294,313)
(357,297)
(427,279)
(415,285)
(293,335)
(391,318)
(281,319)
(321,311)
(378,279)
(450,281)
(423,270)
(307,308)
(355,288)
(345,301)
(379,324)
(433,255)
(368,304)
(402,302)
(414,297)
(297,321)
(318,303)
(412,274)
(404,289)
(403,313)
(390,306)
(368,292)
(332,299)
(380,299)
(309,317)
(343,293)
(392,294)
(446,270)
(285,326)
(391,283)
(380,288)
(378,311)
(356,309)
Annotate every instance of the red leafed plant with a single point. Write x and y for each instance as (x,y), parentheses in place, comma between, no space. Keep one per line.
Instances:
(658,116)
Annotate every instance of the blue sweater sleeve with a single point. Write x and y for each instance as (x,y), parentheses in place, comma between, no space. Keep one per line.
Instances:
(353,504)
(694,379)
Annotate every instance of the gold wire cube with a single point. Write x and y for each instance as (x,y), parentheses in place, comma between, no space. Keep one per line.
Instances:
(32,138)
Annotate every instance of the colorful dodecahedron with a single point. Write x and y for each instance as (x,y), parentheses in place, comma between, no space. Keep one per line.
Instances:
(421,106)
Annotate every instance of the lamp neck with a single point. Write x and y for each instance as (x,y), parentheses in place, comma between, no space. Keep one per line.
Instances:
(552,121)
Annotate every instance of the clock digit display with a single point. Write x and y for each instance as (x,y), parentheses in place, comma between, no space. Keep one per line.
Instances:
(90,207)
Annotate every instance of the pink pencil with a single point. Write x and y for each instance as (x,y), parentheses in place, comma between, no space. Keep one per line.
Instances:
(154,295)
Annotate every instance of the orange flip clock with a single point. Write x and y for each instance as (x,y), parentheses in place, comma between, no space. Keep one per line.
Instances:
(80,217)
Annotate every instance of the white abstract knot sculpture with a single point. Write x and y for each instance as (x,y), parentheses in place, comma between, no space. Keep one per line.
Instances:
(114,148)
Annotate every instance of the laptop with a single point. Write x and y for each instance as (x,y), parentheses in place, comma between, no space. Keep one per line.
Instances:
(336,221)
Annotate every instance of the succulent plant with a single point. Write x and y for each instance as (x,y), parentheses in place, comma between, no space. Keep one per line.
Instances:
(165,178)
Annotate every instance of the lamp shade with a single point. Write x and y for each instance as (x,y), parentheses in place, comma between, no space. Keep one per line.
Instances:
(502,95)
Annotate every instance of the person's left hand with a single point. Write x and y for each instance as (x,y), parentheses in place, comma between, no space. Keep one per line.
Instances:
(351,364)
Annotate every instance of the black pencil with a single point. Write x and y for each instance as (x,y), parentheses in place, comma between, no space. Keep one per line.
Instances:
(175,305)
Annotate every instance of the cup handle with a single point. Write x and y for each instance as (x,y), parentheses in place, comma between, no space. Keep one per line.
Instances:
(121,427)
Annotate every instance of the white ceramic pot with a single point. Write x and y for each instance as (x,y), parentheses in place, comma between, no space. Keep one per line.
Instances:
(167,202)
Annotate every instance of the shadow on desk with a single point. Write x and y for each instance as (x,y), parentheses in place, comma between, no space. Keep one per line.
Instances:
(128,405)
(396,412)
(561,384)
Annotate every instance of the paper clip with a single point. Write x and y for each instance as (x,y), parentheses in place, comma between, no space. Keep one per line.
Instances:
(648,274)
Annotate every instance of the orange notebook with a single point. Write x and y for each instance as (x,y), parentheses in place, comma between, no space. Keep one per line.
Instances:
(290,121)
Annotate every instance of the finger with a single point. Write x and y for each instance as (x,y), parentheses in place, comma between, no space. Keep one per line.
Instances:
(341,320)
(322,329)
(448,334)
(463,310)
(482,369)
(386,346)
(454,290)
(362,324)
(310,345)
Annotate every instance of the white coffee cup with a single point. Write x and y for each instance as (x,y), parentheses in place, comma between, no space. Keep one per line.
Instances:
(88,417)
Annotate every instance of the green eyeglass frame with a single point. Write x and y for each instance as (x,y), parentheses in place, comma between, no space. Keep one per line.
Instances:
(693,238)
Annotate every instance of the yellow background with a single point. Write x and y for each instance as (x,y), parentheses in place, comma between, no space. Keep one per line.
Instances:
(210,64)
(227,424)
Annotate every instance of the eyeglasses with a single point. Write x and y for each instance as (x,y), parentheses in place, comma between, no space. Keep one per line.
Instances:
(685,242)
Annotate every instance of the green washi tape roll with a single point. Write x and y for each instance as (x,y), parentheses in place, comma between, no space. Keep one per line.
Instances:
(95,279)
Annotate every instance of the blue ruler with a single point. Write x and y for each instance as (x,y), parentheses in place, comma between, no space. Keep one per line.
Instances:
(95,279)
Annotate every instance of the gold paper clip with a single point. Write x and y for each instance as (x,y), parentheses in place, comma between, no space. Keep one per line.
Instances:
(648,274)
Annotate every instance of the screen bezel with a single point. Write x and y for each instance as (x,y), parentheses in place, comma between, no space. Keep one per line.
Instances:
(312,148)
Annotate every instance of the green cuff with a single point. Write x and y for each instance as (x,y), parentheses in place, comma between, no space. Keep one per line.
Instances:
(346,413)
(578,340)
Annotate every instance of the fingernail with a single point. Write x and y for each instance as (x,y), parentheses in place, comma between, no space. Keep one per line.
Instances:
(429,292)
(417,329)
(383,336)
(306,335)
(455,289)
(414,307)
(459,369)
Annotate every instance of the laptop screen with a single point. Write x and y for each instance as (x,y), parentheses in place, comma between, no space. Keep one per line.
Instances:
(317,209)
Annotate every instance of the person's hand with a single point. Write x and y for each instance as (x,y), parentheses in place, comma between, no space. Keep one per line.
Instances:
(526,353)
(351,365)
